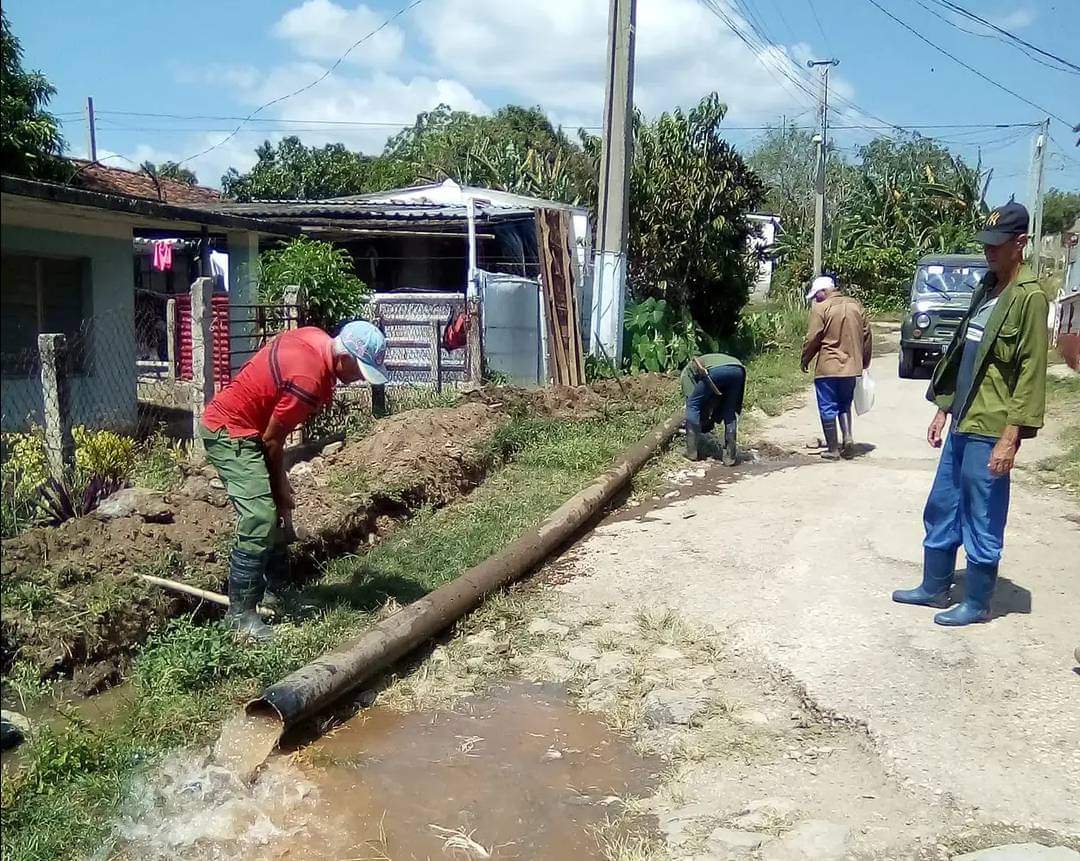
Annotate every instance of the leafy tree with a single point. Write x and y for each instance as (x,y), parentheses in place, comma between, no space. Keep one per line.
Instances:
(515,149)
(786,162)
(902,199)
(1060,210)
(293,171)
(690,193)
(170,170)
(30,139)
(324,271)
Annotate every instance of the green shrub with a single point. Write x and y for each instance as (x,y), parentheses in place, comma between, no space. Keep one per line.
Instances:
(658,340)
(325,273)
(103,453)
(159,463)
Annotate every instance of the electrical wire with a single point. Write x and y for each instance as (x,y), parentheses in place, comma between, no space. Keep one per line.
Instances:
(1026,52)
(1012,37)
(960,62)
(821,29)
(329,71)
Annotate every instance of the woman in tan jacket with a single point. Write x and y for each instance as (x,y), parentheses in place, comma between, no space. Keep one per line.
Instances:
(839,337)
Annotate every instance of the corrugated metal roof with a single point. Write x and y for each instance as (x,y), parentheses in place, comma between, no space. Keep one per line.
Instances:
(358,210)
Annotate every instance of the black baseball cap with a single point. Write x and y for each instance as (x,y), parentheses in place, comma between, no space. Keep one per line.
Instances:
(1003,223)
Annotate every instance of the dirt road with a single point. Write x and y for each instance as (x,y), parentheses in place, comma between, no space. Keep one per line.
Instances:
(735,628)
(796,566)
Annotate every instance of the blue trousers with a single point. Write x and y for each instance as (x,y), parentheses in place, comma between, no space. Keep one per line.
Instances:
(704,409)
(834,396)
(967,504)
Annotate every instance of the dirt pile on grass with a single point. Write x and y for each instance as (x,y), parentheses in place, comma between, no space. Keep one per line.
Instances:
(642,391)
(71,597)
(70,594)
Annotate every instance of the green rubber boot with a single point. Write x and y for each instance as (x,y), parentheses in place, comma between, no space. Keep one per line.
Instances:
(246,586)
(278,579)
(694,442)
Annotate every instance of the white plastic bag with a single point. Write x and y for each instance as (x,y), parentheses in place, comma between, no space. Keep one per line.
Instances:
(865,391)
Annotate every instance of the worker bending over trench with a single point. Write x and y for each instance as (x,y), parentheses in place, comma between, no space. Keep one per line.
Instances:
(714,385)
(244,430)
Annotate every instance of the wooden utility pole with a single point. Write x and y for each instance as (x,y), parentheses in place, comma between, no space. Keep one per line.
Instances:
(609,287)
(822,160)
(1038,191)
(91,130)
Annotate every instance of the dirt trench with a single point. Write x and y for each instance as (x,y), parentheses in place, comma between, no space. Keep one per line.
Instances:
(73,607)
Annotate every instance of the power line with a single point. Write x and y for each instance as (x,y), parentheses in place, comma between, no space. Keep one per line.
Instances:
(960,10)
(314,83)
(766,47)
(1027,53)
(960,62)
(817,20)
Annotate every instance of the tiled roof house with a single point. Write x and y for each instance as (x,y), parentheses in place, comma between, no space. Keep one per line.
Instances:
(94,176)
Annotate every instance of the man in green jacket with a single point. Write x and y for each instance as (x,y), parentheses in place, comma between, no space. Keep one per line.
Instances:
(992,383)
(713,386)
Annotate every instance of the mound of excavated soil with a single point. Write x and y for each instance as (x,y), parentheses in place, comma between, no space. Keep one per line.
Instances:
(643,391)
(69,594)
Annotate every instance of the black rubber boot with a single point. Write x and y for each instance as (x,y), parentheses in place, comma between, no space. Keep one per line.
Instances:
(832,442)
(694,441)
(278,579)
(847,442)
(246,585)
(729,456)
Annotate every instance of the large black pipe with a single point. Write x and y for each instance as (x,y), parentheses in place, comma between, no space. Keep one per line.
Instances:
(324,680)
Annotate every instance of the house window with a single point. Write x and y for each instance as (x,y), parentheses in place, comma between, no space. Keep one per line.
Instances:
(42,294)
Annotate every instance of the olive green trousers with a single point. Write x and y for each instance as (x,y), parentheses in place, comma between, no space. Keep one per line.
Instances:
(241,465)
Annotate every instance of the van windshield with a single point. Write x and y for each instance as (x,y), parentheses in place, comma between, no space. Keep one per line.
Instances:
(947,281)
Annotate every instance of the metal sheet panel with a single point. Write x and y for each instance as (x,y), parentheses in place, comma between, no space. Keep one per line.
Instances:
(512,331)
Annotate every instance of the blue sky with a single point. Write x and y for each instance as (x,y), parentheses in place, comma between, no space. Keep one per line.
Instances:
(217,60)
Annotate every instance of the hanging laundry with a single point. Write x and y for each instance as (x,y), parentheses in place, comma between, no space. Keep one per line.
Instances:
(162,255)
(219,268)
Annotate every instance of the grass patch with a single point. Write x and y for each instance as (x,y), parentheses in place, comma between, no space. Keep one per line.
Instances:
(190,676)
(1063,399)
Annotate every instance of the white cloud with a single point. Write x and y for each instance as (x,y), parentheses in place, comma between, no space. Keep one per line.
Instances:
(478,54)
(323,30)
(553,54)
(1023,16)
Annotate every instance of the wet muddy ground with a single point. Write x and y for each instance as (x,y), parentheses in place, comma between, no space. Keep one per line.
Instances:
(519,773)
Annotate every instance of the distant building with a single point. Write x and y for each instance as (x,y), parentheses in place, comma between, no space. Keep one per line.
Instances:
(760,245)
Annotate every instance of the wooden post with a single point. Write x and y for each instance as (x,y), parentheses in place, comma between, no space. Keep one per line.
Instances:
(436,356)
(474,341)
(56,397)
(202,355)
(292,297)
(170,337)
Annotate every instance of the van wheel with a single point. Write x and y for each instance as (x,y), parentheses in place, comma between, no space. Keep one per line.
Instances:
(907,364)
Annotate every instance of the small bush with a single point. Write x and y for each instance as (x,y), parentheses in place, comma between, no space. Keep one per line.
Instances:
(103,453)
(159,463)
(325,272)
(660,340)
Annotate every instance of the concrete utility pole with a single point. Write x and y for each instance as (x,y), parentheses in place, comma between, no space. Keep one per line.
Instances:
(609,278)
(822,159)
(1038,170)
(91,130)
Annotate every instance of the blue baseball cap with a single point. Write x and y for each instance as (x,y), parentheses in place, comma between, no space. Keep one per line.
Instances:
(365,343)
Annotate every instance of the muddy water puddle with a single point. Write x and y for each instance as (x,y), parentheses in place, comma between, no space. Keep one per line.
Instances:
(706,477)
(516,774)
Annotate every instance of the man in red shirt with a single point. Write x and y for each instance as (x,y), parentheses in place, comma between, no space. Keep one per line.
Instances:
(244,431)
